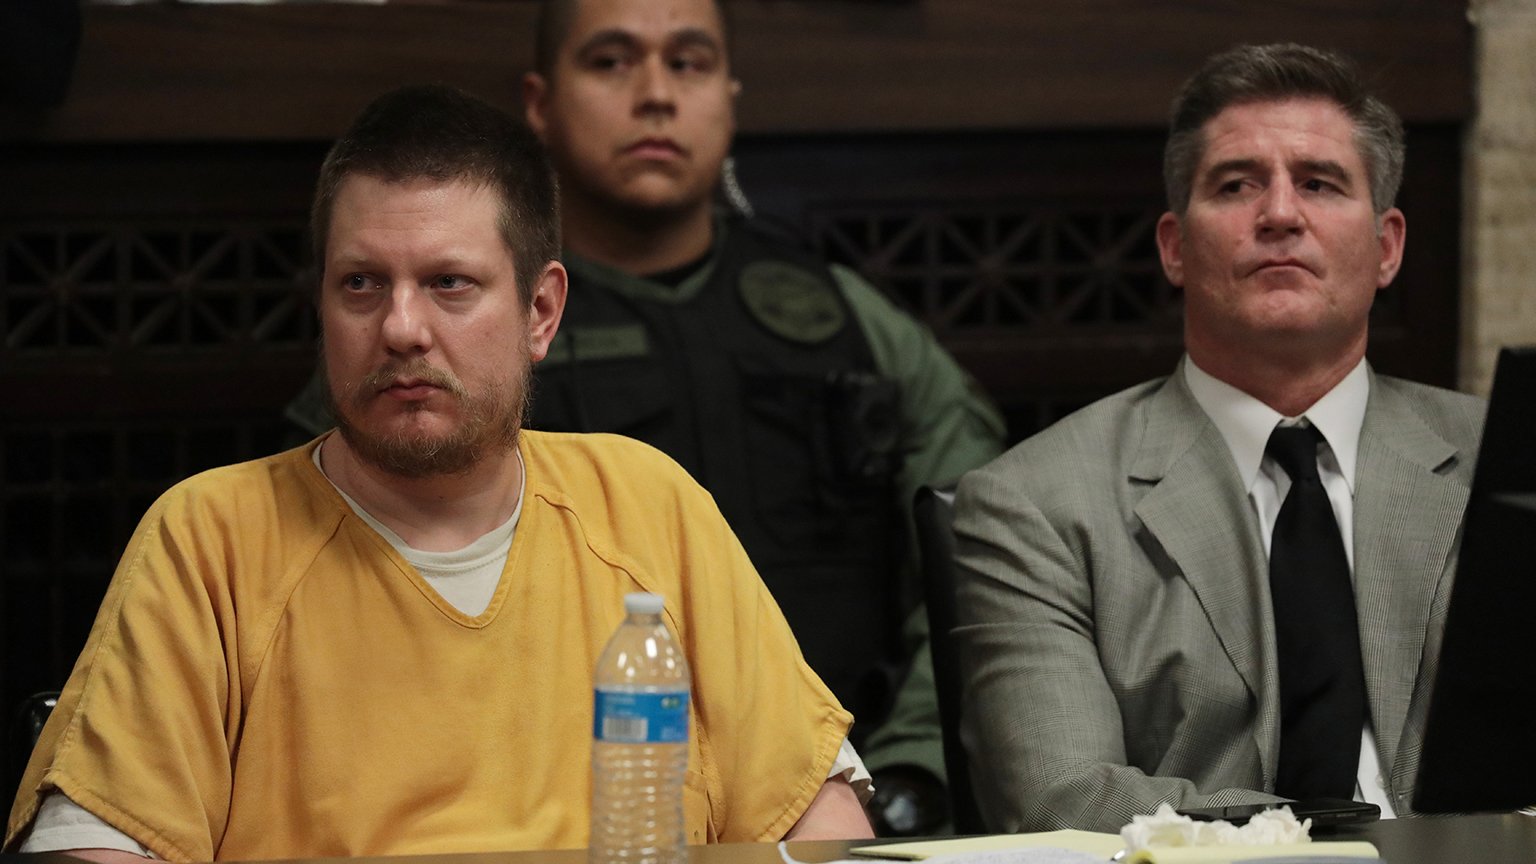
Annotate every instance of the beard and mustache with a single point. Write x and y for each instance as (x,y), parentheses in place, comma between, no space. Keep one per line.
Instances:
(489,421)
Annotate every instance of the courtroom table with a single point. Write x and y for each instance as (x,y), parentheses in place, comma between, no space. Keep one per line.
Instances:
(1508,838)
(1481,839)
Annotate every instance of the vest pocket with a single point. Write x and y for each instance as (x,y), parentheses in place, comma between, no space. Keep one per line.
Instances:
(824,448)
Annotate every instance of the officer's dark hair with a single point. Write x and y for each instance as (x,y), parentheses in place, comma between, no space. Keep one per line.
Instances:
(553,24)
(434,132)
(1263,73)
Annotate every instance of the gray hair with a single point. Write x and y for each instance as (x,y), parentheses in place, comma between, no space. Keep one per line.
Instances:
(1264,73)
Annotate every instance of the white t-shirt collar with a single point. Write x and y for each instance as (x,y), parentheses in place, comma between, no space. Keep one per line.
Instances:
(496,541)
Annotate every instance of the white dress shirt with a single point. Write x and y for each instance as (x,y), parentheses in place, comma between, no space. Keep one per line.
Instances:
(1245,424)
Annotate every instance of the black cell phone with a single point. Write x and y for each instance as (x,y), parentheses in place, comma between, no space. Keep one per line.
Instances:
(1322,811)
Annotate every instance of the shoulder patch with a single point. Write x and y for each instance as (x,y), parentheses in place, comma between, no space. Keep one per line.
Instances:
(792,302)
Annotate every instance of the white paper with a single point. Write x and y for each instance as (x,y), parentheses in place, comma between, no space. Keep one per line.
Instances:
(1038,855)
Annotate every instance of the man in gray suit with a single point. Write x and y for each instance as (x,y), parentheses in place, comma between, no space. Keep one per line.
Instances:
(1130,629)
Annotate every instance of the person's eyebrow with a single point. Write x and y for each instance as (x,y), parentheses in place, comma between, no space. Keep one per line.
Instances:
(1231,166)
(1314,167)
(610,38)
(1327,168)
(693,37)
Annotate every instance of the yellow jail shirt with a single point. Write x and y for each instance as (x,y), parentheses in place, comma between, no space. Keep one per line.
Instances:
(267,678)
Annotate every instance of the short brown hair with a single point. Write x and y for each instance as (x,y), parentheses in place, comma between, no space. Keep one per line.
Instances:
(439,133)
(1264,73)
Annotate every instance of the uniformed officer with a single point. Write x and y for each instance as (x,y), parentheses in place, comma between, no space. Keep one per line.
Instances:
(809,405)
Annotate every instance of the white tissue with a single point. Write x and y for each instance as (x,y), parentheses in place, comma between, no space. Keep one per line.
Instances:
(1165,829)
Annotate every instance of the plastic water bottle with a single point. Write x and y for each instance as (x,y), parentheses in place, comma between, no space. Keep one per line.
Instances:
(639,741)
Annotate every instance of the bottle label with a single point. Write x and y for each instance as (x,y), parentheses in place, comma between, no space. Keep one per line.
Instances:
(640,718)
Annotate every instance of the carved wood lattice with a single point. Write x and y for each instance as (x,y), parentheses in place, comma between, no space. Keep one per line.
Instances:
(1017,267)
(171,288)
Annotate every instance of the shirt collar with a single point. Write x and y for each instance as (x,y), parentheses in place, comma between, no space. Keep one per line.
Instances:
(645,288)
(501,534)
(1245,422)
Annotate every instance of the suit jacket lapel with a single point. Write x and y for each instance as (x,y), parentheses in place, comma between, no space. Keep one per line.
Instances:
(1406,521)
(1198,511)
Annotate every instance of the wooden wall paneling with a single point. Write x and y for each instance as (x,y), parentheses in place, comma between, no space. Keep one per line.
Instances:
(958,64)
(172,71)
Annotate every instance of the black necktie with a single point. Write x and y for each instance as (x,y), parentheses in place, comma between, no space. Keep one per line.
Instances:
(1322,682)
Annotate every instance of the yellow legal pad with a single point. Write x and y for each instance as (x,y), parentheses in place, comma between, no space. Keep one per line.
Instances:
(1092,842)
(1106,845)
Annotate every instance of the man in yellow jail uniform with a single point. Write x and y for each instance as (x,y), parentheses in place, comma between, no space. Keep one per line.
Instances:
(382,642)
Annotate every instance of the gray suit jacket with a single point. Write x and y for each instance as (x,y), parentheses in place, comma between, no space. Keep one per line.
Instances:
(1114,628)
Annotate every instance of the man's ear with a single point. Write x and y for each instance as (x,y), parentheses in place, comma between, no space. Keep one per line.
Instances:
(1392,235)
(546,309)
(535,91)
(1170,248)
